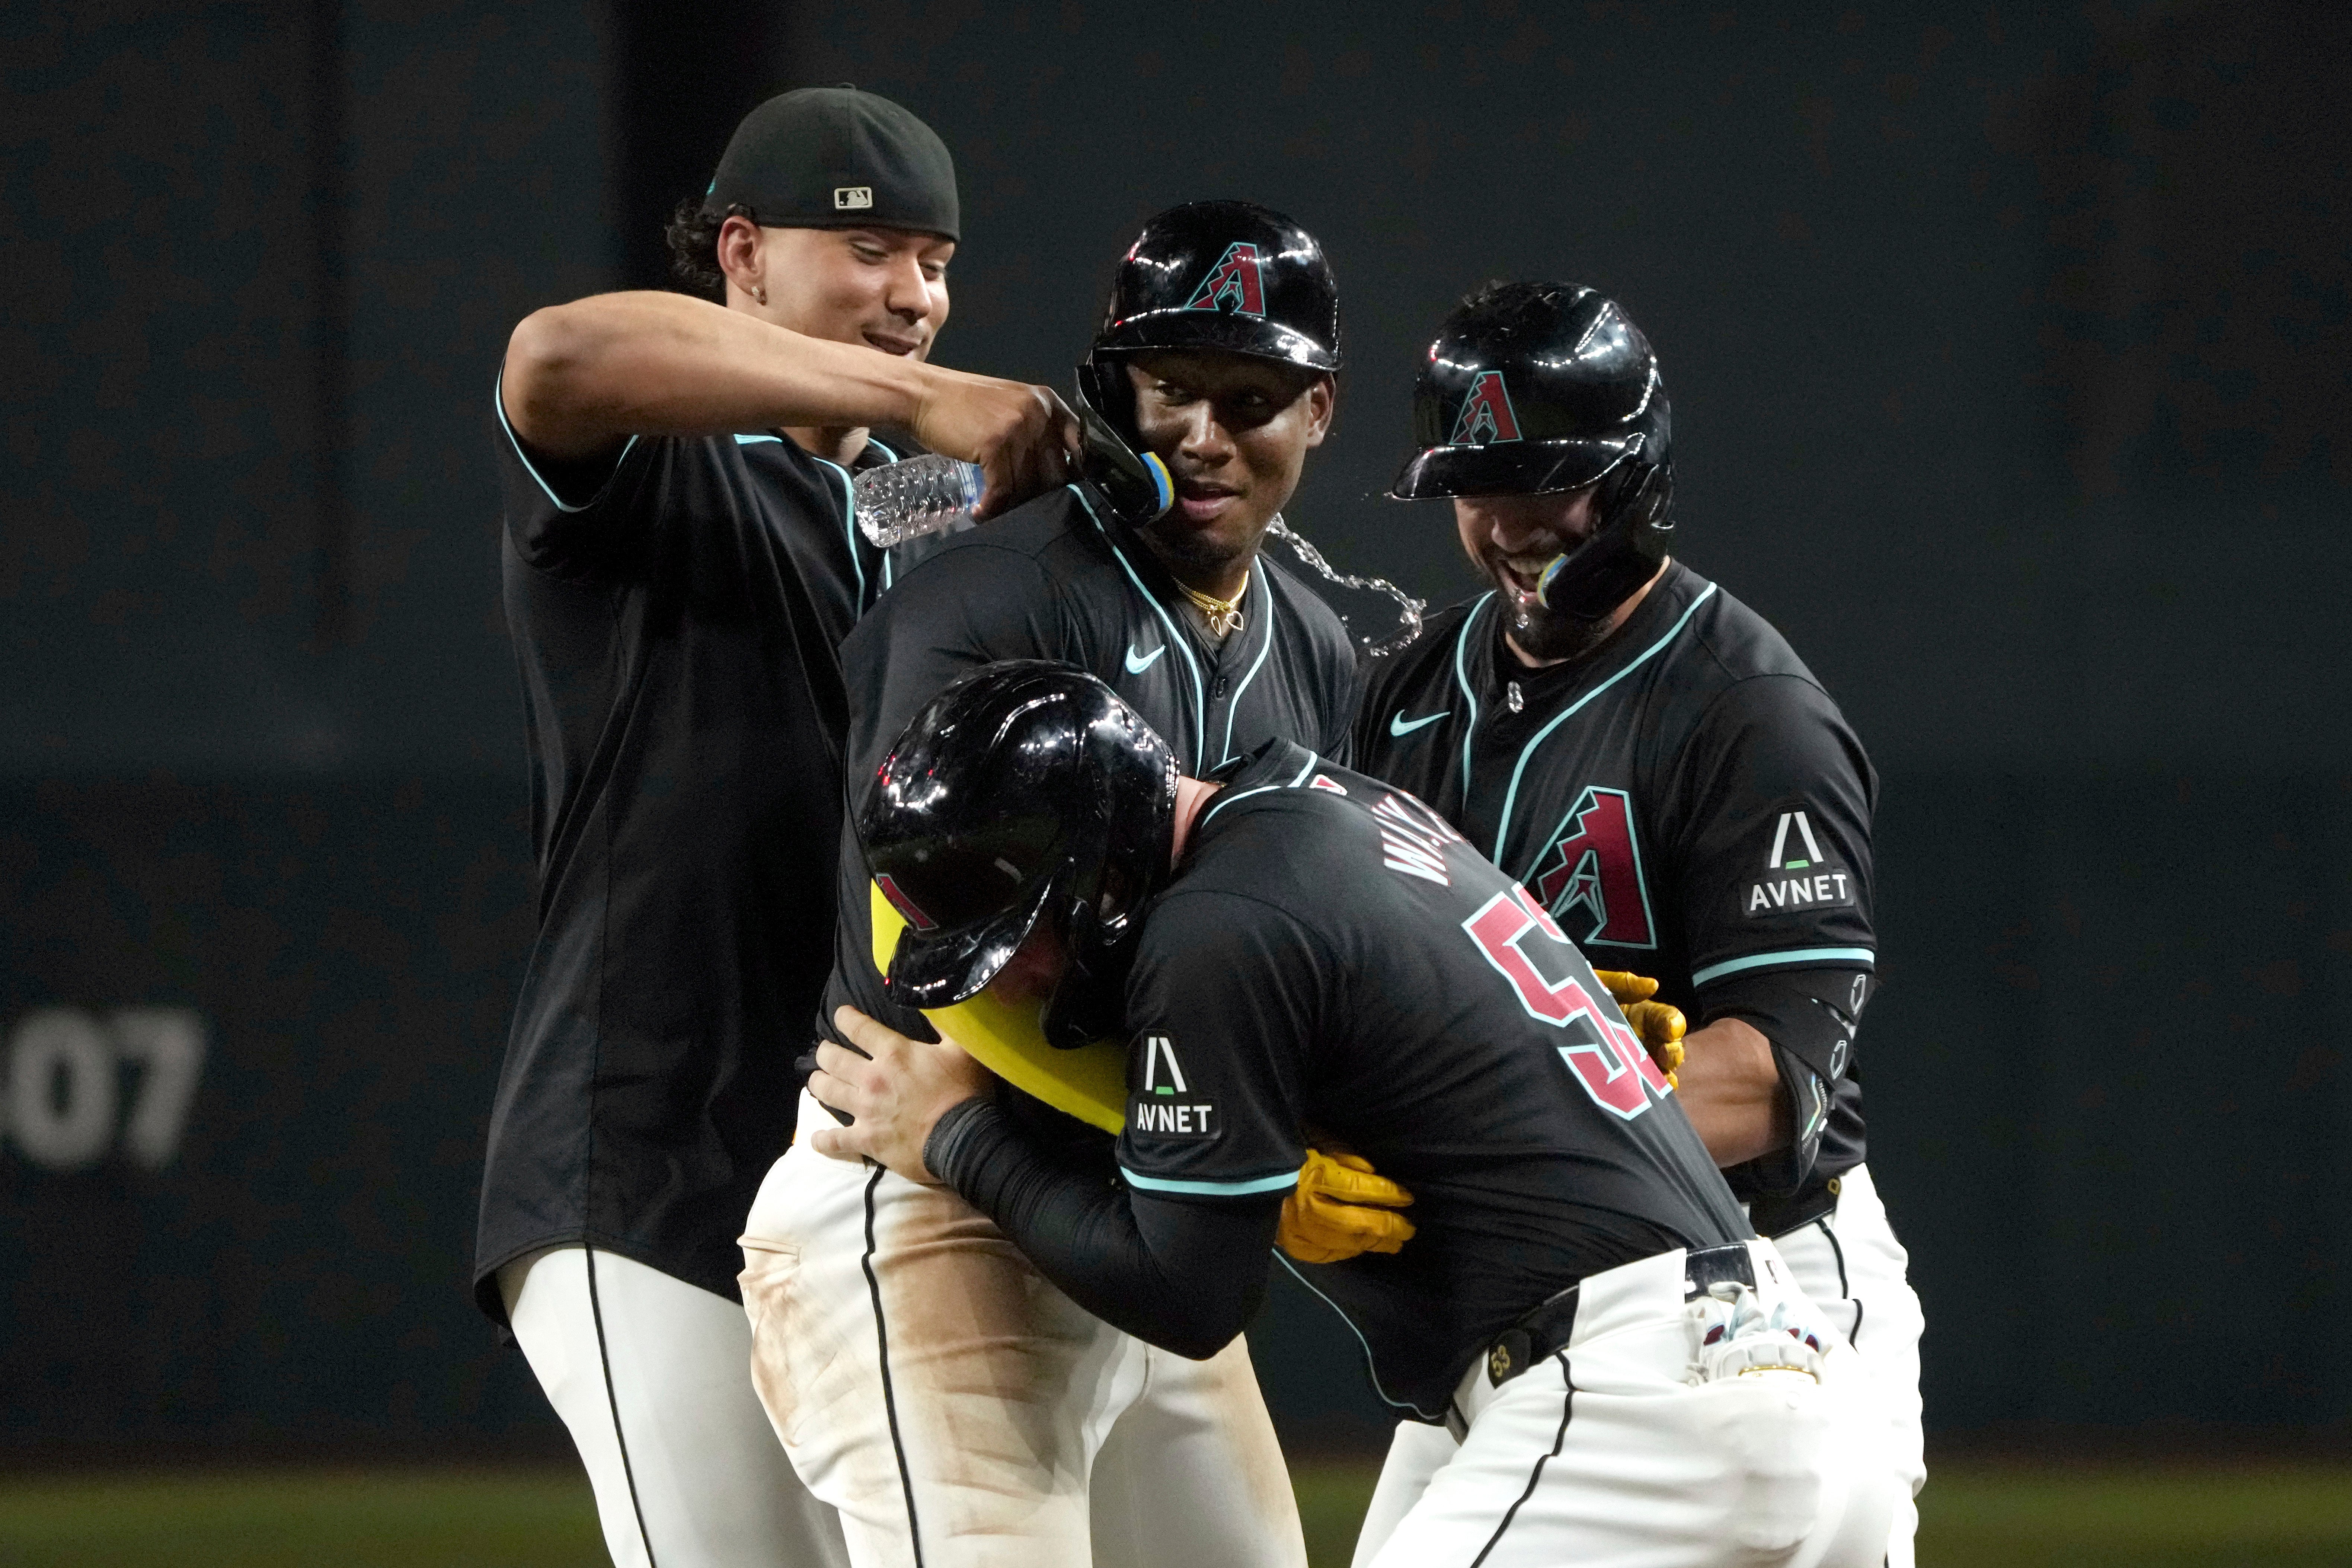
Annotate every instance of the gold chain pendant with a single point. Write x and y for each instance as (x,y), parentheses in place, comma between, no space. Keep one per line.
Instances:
(1223,616)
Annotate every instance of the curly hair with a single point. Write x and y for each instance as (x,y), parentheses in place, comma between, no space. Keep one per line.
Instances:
(693,235)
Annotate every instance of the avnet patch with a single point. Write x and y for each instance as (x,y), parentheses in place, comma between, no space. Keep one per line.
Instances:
(1153,1117)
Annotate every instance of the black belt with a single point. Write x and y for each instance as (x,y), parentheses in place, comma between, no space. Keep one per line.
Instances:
(1778,1214)
(1543,1330)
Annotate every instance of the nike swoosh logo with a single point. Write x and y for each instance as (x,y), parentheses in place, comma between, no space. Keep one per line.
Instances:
(1397,726)
(1137,666)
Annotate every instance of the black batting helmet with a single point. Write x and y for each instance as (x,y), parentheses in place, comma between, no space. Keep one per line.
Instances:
(1534,388)
(1232,276)
(1027,790)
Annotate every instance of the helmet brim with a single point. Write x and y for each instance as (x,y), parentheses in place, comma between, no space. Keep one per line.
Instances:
(1511,468)
(941,968)
(1253,336)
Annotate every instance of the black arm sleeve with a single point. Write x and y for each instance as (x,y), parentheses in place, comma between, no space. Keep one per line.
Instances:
(1184,1277)
(1810,1016)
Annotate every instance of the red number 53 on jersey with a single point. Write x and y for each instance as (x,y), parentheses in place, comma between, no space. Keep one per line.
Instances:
(1606,1057)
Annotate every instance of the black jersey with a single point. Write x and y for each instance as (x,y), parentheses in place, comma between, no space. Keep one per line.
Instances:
(1057,579)
(677,611)
(1332,955)
(1687,803)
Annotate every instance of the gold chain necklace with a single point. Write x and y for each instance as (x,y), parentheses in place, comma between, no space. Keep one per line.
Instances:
(1223,616)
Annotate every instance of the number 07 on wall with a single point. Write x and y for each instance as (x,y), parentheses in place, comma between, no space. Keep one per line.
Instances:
(61,1097)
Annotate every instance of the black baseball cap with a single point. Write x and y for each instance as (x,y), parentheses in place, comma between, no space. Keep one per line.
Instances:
(833,157)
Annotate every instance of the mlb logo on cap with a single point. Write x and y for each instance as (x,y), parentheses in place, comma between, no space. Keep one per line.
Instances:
(847,198)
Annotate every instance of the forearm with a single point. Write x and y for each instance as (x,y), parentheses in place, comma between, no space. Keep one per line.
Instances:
(1730,1089)
(1184,1277)
(580,376)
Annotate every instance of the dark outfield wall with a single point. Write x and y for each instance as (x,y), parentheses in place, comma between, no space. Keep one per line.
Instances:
(1999,384)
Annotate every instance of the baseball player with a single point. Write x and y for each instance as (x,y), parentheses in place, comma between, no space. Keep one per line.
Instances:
(1648,757)
(1633,1377)
(955,1407)
(680,567)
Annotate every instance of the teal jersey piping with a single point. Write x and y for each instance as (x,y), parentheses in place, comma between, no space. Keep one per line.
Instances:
(849,525)
(1229,796)
(499,400)
(889,557)
(1200,703)
(742,440)
(1783,960)
(1282,1183)
(1461,680)
(1371,1368)
(1510,796)
(1266,596)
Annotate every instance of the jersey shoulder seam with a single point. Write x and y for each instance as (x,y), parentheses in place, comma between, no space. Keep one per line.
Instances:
(1733,684)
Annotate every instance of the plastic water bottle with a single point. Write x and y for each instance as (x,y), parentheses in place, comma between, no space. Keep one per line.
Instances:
(895,502)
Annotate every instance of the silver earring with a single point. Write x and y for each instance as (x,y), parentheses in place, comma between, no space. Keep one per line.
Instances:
(761,293)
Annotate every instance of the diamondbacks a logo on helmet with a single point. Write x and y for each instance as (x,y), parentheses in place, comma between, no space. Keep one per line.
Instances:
(1237,283)
(1486,417)
(1599,869)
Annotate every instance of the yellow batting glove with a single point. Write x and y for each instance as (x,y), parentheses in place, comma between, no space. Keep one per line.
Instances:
(1340,1208)
(1660,1025)
(1626,988)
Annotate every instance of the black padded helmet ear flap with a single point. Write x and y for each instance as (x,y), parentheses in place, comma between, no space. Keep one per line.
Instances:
(1135,484)
(1026,790)
(1634,513)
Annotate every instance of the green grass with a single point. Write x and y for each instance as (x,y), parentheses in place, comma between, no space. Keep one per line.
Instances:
(2172,1516)
(1998,1516)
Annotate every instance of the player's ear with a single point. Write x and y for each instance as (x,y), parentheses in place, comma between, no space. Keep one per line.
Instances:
(1322,402)
(743,254)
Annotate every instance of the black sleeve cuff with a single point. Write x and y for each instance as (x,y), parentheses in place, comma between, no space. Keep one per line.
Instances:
(959,1140)
(1809,1014)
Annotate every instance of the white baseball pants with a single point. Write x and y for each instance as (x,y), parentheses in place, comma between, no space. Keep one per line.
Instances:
(961,1411)
(653,1377)
(1851,1265)
(1606,1456)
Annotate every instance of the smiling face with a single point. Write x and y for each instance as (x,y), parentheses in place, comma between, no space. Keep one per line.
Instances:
(1234,432)
(886,289)
(1510,540)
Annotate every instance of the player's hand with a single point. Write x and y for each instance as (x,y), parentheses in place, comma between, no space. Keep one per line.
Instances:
(1024,437)
(1660,1025)
(898,1092)
(1340,1208)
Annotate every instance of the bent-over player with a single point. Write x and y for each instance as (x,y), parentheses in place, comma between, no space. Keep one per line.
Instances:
(679,566)
(1649,758)
(1633,1377)
(956,1407)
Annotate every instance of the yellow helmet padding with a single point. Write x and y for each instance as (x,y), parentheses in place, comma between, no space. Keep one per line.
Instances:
(1089,1083)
